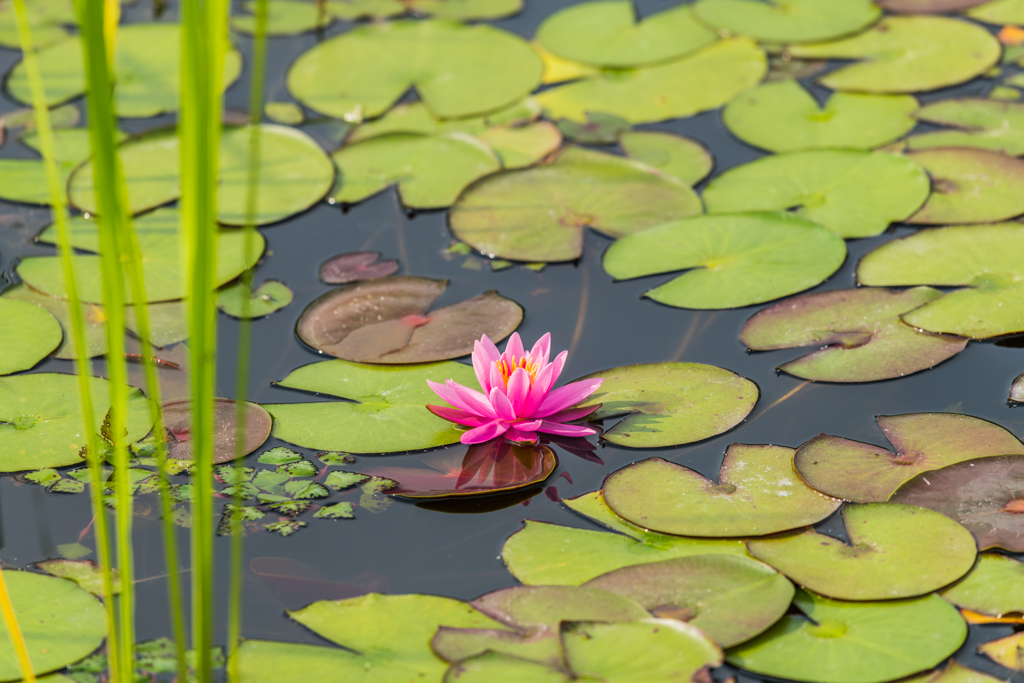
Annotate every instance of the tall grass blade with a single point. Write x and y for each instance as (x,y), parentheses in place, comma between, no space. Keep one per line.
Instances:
(97,19)
(204,36)
(259,60)
(83,365)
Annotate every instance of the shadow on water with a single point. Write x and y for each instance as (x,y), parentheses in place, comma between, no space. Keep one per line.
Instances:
(453,547)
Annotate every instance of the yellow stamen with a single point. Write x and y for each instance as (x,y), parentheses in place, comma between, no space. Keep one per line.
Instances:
(505,368)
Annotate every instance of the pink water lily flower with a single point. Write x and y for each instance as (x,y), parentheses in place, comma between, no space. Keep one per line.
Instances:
(518,398)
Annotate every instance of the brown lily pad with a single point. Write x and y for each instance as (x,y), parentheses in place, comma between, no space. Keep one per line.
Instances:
(970,186)
(986,495)
(864,473)
(927,6)
(355,266)
(387,321)
(1017,390)
(859,332)
(486,468)
(178,428)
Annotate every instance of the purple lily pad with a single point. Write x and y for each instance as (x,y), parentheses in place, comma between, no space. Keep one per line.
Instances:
(355,266)
(387,321)
(178,428)
(927,6)
(491,467)
(986,495)
(1017,390)
(757,493)
(863,337)
(731,598)
(864,473)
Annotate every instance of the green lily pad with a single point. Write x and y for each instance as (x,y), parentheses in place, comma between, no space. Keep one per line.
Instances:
(858,331)
(416,117)
(791,21)
(549,554)
(61,623)
(430,171)
(907,54)
(607,33)
(982,259)
(954,672)
(1006,652)
(492,667)
(85,573)
(783,117)
(669,404)
(41,423)
(465,9)
(895,551)
(970,186)
(284,18)
(599,129)
(978,122)
(161,246)
(926,6)
(386,321)
(758,493)
(385,412)
(294,174)
(982,494)
(736,259)
(538,214)
(28,335)
(147,78)
(94,316)
(731,598)
(864,473)
(681,158)
(24,180)
(287,113)
(46,19)
(998,12)
(271,296)
(994,587)
(457,70)
(854,642)
(852,193)
(351,10)
(697,82)
(389,634)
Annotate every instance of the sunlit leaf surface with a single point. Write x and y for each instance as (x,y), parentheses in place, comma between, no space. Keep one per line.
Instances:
(860,335)
(792,21)
(681,158)
(865,473)
(977,122)
(994,587)
(28,335)
(270,296)
(758,493)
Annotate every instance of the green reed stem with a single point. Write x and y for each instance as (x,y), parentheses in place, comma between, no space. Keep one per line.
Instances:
(259,61)
(14,630)
(204,35)
(55,186)
(97,19)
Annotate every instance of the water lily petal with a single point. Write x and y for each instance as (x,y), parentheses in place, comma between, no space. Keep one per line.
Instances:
(563,430)
(573,414)
(518,390)
(556,368)
(520,436)
(485,433)
(527,425)
(502,405)
(488,349)
(514,348)
(458,416)
(450,396)
(474,401)
(494,380)
(569,395)
(541,350)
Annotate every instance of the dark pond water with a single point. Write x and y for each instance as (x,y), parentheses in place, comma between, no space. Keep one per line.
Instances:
(454,550)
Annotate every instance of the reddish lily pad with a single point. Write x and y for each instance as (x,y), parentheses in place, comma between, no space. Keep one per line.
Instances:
(668,404)
(860,330)
(538,214)
(355,266)
(994,587)
(864,473)
(387,321)
(1017,390)
(178,426)
(895,551)
(731,598)
(927,6)
(983,494)
(490,467)
(758,493)
(970,186)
